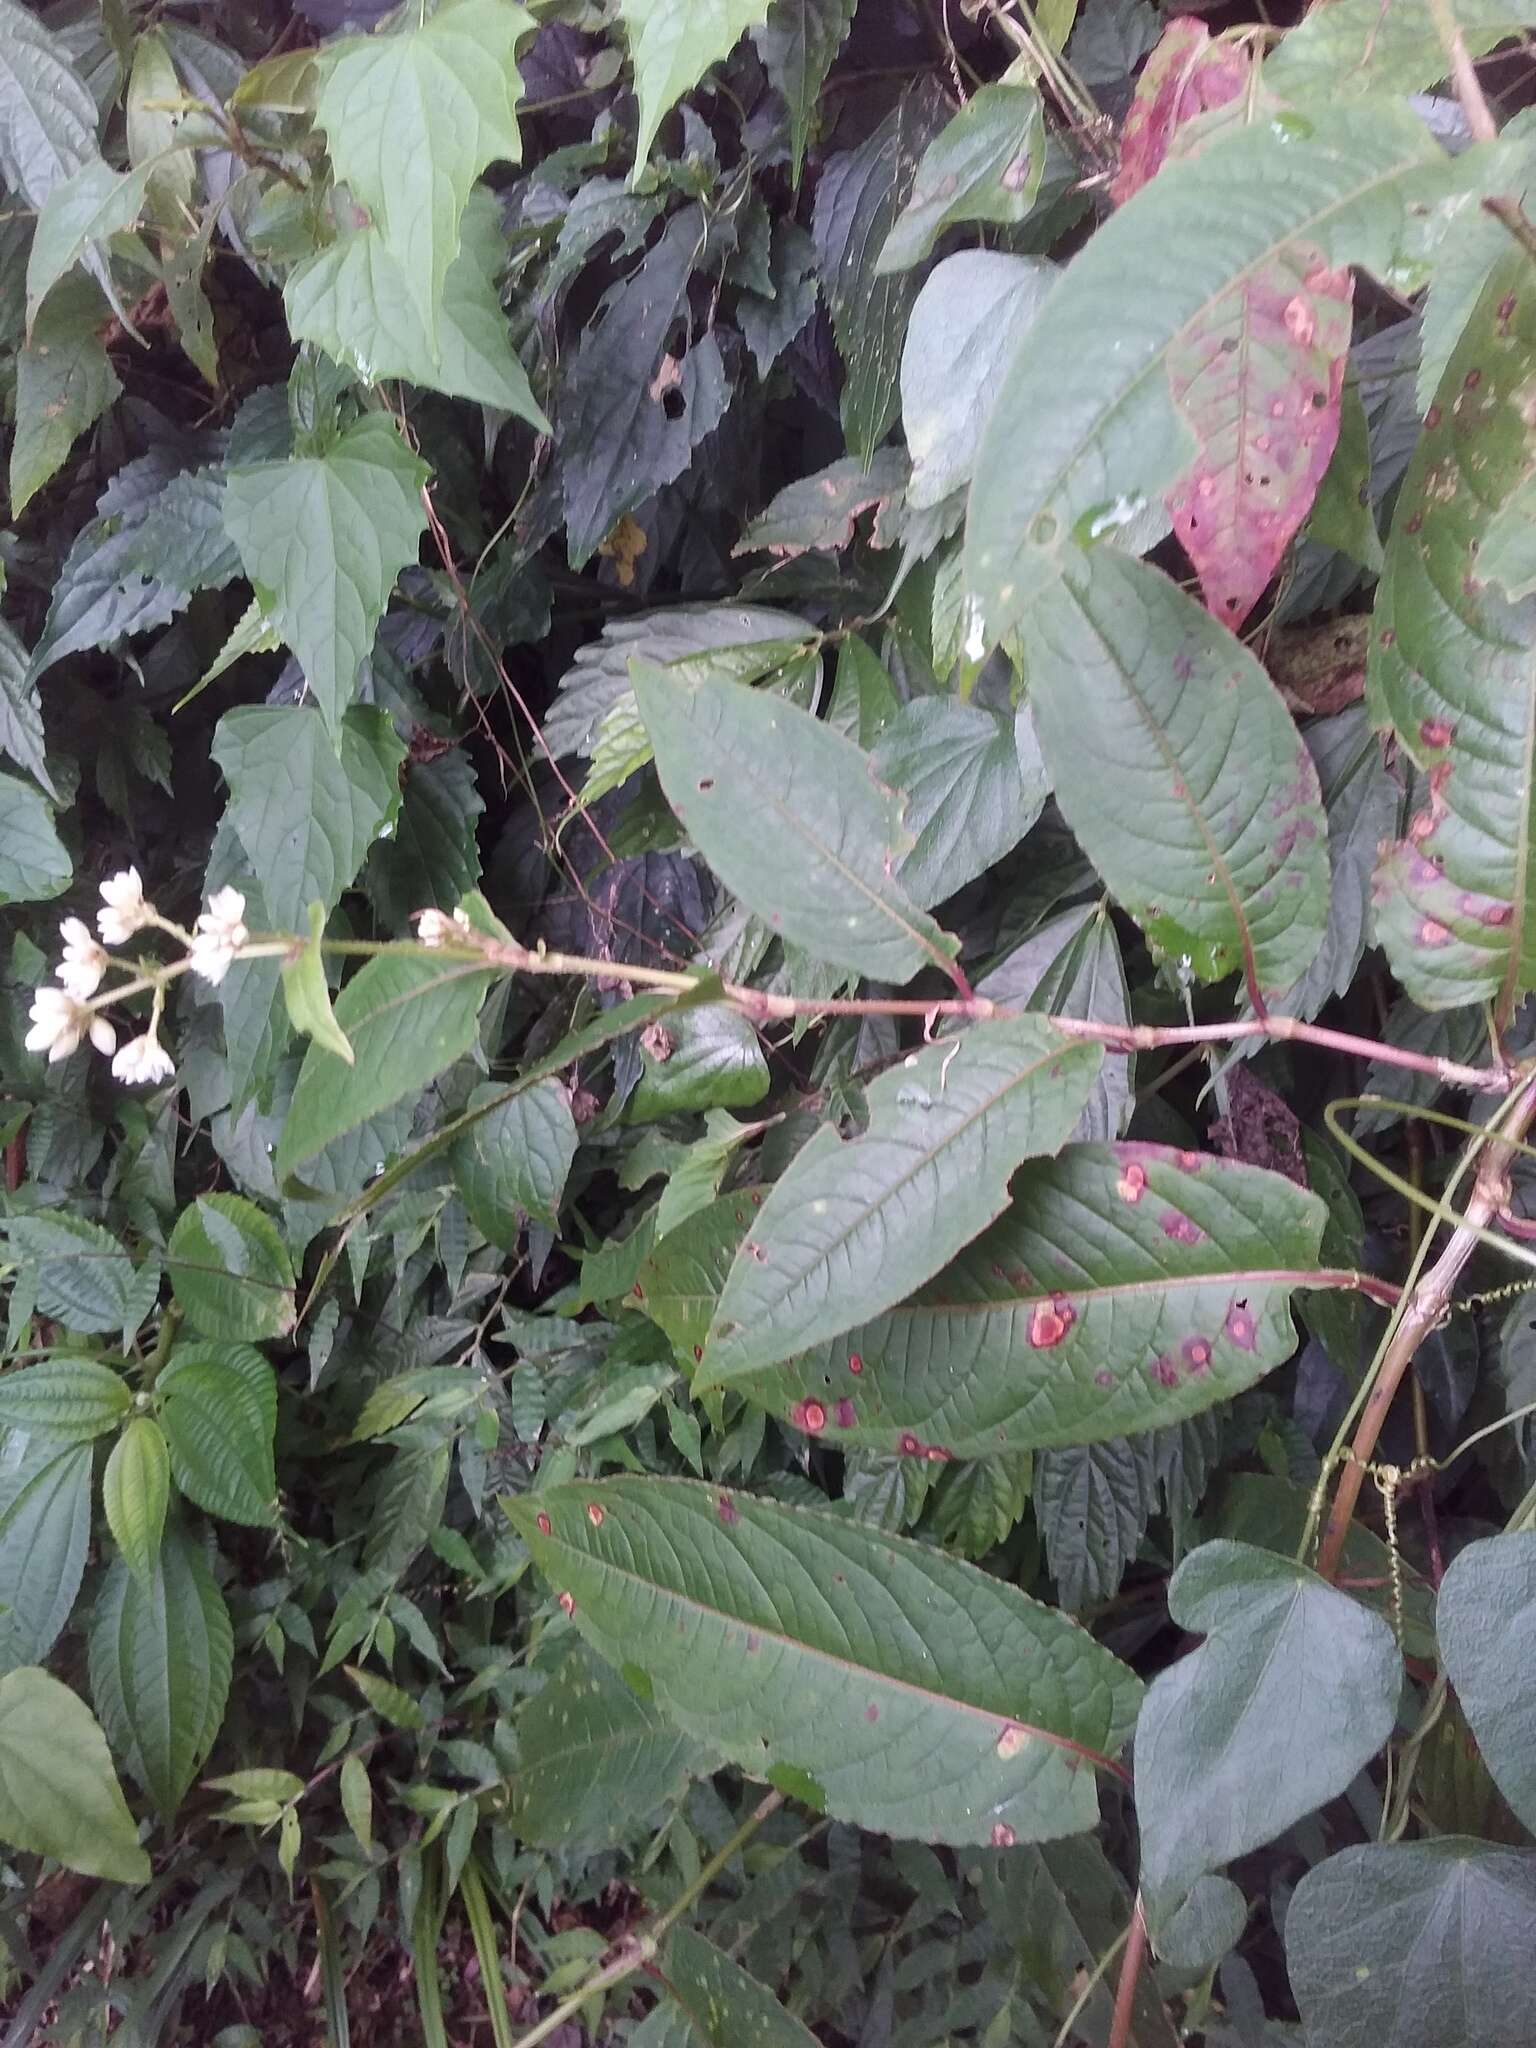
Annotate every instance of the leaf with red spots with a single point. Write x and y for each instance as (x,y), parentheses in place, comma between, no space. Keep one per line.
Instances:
(1258,378)
(1185,75)
(1083,432)
(769,1637)
(1452,669)
(1180,771)
(1126,1287)
(856,1222)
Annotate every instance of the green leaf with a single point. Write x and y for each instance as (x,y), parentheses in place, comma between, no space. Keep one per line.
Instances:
(406,1018)
(34,864)
(859,195)
(594,1761)
(161,1652)
(838,1659)
(624,432)
(967,320)
(1125,1287)
(45,1529)
(720,2006)
(308,996)
(1454,670)
(64,1400)
(1179,769)
(431,859)
(672,44)
(64,383)
(157,537)
(1083,427)
(322,539)
(1071,967)
(1350,50)
(84,1278)
(984,166)
(745,640)
(737,766)
(21,712)
(307,809)
(798,41)
(1485,1618)
(1230,1749)
(679,1283)
(1464,260)
(354,301)
(413,118)
(973,782)
(47,117)
(81,212)
(515,1158)
(219,1413)
(1415,1945)
(1092,1505)
(386,1699)
(136,1491)
(1361,801)
(230,1271)
(357,1801)
(856,1223)
(59,1795)
(705,1057)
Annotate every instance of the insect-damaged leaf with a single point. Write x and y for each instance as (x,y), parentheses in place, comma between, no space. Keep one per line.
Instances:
(1084,428)
(1258,379)
(857,1222)
(1179,769)
(896,1687)
(740,768)
(1125,1287)
(1185,76)
(1453,669)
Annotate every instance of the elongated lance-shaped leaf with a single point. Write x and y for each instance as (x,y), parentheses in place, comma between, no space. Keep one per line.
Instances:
(790,817)
(1126,1287)
(1179,768)
(856,1223)
(713,2002)
(875,1678)
(1453,670)
(1083,428)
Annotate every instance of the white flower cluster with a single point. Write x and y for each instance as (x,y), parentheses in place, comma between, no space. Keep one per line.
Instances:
(62,1017)
(437,928)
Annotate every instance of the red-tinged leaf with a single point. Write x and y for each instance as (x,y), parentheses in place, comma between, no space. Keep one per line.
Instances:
(1259,379)
(1185,75)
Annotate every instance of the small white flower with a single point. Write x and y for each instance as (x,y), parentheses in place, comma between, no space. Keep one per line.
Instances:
(84,962)
(143,1059)
(58,1023)
(218,935)
(123,910)
(437,928)
(103,1037)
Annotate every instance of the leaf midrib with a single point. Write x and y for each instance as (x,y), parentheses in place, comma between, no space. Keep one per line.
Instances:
(835,1662)
(891,1189)
(801,827)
